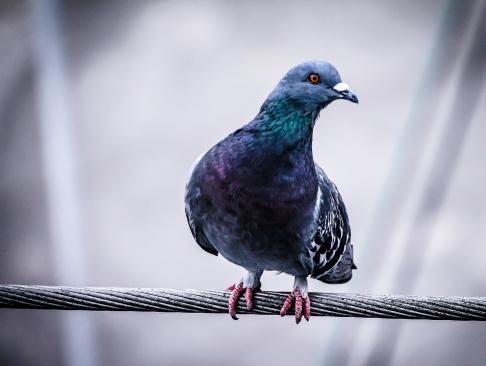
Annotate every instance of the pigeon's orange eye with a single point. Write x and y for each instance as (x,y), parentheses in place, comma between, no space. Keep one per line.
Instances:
(313,78)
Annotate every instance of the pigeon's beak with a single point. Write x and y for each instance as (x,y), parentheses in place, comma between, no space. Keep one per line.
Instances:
(349,95)
(345,93)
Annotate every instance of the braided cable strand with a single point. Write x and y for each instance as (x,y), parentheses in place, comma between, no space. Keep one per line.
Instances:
(267,303)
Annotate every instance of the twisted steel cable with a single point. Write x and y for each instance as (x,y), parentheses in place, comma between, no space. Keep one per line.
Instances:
(266,303)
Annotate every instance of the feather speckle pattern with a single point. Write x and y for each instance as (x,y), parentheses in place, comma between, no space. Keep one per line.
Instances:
(331,250)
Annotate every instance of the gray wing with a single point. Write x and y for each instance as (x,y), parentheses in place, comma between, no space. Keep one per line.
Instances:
(197,209)
(331,250)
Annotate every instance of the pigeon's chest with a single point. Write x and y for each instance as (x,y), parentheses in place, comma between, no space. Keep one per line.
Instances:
(261,207)
(275,191)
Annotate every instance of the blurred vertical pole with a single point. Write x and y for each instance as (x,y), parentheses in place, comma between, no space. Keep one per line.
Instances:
(410,148)
(471,80)
(56,128)
(415,138)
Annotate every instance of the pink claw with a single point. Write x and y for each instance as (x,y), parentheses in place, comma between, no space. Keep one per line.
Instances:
(287,304)
(236,291)
(235,294)
(307,308)
(249,298)
(298,306)
(302,305)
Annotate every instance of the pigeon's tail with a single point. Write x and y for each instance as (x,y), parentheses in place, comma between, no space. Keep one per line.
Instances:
(342,271)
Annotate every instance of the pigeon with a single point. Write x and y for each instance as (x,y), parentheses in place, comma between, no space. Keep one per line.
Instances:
(258,198)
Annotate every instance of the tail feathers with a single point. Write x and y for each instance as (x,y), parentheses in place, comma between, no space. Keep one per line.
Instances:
(343,271)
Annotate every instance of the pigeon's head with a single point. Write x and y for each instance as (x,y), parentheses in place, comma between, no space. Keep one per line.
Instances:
(312,86)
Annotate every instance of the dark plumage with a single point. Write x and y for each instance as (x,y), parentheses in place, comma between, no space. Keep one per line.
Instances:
(258,198)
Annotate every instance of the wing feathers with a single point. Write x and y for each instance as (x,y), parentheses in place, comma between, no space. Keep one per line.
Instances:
(331,248)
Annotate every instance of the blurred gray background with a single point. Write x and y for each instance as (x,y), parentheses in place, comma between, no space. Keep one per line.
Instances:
(104,105)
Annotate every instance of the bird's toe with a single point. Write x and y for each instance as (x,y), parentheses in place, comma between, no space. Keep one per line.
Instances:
(236,291)
(287,304)
(249,298)
(298,306)
(235,294)
(301,304)
(307,308)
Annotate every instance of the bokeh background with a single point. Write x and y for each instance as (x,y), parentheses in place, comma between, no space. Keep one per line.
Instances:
(104,105)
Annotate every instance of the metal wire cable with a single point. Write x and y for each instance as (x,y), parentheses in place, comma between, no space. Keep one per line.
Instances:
(266,303)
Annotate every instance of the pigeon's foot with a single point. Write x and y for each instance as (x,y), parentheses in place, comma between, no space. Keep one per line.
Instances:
(249,283)
(300,298)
